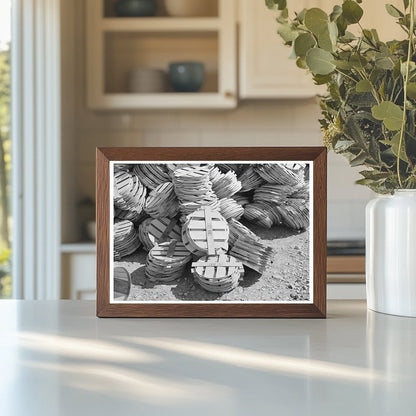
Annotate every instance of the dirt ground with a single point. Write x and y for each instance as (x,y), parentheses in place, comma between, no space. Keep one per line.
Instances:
(286,278)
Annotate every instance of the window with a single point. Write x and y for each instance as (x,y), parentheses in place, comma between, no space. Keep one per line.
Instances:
(5,147)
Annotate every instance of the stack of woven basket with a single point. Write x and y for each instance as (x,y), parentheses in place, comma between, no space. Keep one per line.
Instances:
(126,239)
(167,261)
(152,174)
(162,201)
(283,197)
(194,188)
(158,230)
(129,193)
(208,200)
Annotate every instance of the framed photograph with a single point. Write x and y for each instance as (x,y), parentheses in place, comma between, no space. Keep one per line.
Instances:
(211,232)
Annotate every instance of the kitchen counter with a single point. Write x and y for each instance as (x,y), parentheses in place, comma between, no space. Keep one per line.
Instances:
(57,358)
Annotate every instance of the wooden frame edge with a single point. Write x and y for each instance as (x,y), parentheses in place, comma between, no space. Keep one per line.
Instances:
(317,309)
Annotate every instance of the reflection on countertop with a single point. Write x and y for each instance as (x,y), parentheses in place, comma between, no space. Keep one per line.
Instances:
(355,362)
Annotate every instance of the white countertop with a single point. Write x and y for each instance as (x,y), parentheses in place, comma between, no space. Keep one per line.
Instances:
(57,358)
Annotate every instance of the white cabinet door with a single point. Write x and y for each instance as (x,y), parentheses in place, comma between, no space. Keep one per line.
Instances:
(78,275)
(265,68)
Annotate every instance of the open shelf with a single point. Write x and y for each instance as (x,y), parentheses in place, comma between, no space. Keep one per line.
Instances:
(160,24)
(210,10)
(126,51)
(118,45)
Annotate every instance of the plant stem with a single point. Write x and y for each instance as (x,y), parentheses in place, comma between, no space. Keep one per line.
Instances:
(405,81)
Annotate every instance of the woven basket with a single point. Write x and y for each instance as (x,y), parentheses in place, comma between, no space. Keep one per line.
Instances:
(238,230)
(241,199)
(129,193)
(152,174)
(229,208)
(122,166)
(224,185)
(219,273)
(143,233)
(135,217)
(251,253)
(162,201)
(207,231)
(167,261)
(121,283)
(271,193)
(279,174)
(190,247)
(126,239)
(295,213)
(159,230)
(250,179)
(260,214)
(194,189)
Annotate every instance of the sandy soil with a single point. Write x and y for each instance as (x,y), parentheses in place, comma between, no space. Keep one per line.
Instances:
(285,279)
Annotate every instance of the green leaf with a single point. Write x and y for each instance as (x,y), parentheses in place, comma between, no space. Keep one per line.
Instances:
(287,33)
(303,43)
(358,160)
(336,12)
(411,90)
(344,65)
(325,42)
(384,62)
(320,61)
(301,63)
(374,174)
(316,20)
(343,145)
(342,25)
(363,86)
(347,37)
(394,145)
(358,61)
(276,4)
(406,4)
(388,112)
(393,11)
(321,79)
(301,15)
(375,35)
(351,11)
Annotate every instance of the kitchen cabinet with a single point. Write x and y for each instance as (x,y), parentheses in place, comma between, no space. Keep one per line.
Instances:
(265,69)
(78,263)
(118,45)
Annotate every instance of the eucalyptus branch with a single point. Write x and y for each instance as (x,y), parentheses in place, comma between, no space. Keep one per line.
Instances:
(346,75)
(406,80)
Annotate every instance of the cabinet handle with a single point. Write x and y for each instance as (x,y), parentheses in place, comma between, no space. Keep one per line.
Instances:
(229,94)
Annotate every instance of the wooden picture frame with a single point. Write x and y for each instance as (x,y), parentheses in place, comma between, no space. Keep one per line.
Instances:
(313,157)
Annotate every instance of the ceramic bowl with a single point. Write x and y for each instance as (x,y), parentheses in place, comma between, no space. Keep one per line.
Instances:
(135,8)
(147,80)
(186,76)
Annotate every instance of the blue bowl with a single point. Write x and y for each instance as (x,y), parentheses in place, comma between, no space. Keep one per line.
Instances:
(187,76)
(135,8)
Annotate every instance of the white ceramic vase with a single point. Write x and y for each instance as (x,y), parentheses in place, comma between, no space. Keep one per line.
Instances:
(391,253)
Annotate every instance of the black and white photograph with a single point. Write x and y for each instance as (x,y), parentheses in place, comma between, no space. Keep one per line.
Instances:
(211,232)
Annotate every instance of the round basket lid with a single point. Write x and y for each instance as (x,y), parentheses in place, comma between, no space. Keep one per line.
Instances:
(217,267)
(207,230)
(170,252)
